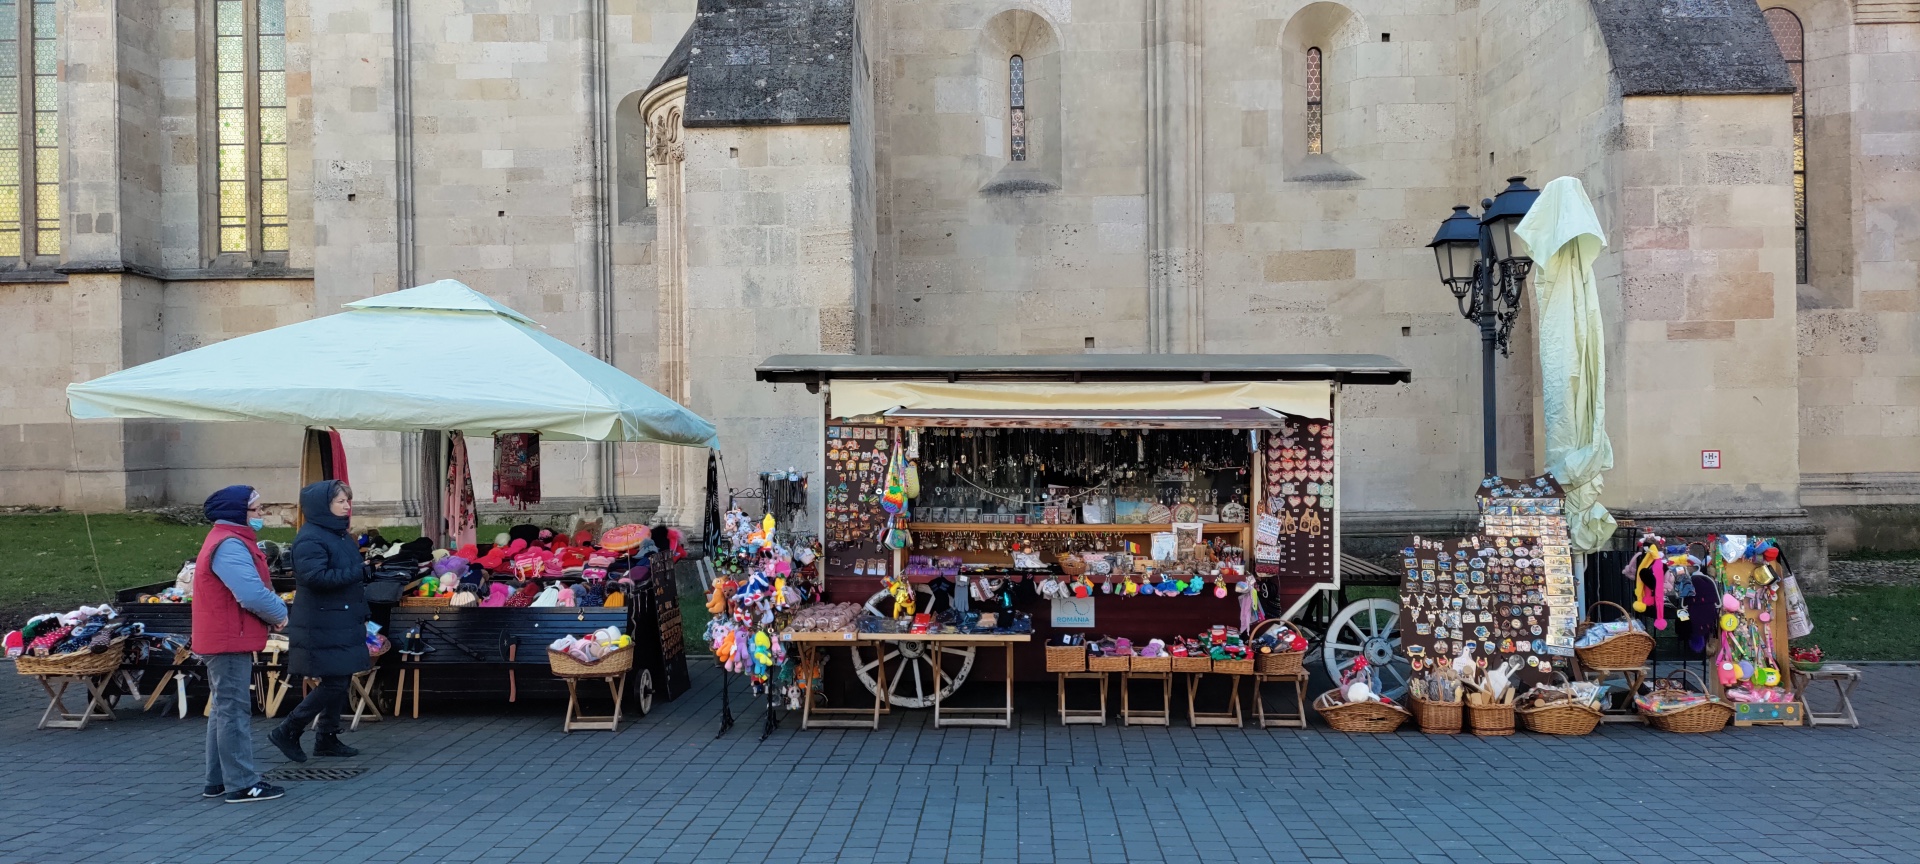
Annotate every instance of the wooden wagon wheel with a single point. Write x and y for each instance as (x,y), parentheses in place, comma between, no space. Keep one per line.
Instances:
(1369,628)
(909,665)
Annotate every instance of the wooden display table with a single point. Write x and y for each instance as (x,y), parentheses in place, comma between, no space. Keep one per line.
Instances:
(1092,716)
(999,715)
(1633,678)
(812,715)
(1844,679)
(1297,718)
(1147,716)
(1229,717)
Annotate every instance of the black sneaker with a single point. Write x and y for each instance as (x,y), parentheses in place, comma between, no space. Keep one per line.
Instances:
(331,745)
(257,792)
(289,745)
(213,791)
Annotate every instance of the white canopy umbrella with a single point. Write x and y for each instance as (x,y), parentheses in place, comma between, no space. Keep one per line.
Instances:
(436,357)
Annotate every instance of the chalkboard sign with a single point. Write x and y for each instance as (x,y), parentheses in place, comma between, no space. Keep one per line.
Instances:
(673,644)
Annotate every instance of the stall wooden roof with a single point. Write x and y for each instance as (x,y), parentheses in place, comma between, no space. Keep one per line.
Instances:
(814,369)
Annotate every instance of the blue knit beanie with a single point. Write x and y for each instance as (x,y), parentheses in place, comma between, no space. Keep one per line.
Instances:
(229,505)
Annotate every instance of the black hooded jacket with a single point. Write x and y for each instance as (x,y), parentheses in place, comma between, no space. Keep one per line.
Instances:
(327,629)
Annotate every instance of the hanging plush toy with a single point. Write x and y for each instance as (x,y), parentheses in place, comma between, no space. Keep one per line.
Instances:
(902,593)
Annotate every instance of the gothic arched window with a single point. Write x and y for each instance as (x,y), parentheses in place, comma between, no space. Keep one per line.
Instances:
(1314,142)
(1791,38)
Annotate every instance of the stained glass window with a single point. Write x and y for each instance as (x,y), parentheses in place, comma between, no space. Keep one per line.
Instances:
(1017,110)
(11,201)
(250,110)
(1315,144)
(46,129)
(29,129)
(1791,38)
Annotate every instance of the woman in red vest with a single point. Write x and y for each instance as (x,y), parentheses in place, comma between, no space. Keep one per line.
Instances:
(233,608)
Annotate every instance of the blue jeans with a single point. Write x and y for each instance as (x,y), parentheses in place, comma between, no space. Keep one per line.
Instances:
(230,723)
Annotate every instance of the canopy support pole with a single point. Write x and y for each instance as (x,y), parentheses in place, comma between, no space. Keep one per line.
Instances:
(433,484)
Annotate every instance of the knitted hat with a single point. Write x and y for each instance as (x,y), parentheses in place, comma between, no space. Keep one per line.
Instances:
(230,504)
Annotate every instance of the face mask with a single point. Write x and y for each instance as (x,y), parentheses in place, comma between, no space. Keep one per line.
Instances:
(256,523)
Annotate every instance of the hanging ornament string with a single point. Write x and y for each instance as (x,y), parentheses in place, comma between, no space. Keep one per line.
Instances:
(1021,499)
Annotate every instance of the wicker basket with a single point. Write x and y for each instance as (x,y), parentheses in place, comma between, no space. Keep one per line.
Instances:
(1705,717)
(1628,650)
(1108,663)
(1436,718)
(567,666)
(78,663)
(435,600)
(1193,664)
(1073,565)
(1490,720)
(1066,658)
(1563,718)
(1162,663)
(1243,666)
(1359,716)
(1279,663)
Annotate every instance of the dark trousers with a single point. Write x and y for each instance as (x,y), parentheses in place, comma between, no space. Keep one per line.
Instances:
(322,707)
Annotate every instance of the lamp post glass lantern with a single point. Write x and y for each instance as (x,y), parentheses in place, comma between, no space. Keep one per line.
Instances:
(1484,269)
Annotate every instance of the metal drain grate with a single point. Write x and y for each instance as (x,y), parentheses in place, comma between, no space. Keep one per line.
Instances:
(290,774)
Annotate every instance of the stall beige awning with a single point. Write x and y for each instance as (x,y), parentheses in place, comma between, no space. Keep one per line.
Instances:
(1229,405)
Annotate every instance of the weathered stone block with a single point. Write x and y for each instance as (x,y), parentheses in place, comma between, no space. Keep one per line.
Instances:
(1310,266)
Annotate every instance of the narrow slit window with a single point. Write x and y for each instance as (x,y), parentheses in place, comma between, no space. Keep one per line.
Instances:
(1017,110)
(653,182)
(29,129)
(250,113)
(1791,37)
(1315,144)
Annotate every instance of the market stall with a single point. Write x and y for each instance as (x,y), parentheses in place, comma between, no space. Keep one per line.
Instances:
(1153,498)
(448,362)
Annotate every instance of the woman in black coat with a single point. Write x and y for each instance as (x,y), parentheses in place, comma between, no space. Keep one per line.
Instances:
(327,630)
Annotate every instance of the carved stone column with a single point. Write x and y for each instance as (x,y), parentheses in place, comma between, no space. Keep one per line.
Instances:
(1175,317)
(682,469)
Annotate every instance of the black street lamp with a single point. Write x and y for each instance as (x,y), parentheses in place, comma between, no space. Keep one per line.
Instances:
(1480,265)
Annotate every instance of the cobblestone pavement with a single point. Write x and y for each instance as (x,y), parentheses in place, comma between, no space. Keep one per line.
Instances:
(502,787)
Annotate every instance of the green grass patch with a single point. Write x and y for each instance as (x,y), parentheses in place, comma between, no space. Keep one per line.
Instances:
(1868,623)
(49,565)
(693,622)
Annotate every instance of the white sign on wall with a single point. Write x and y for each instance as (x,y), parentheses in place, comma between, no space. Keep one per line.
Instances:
(1073,612)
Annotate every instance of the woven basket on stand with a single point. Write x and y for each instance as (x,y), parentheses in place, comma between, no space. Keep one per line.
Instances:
(1279,663)
(79,664)
(1359,716)
(1562,718)
(1707,716)
(1066,658)
(568,666)
(1162,663)
(1628,650)
(1108,662)
(1202,663)
(1243,666)
(1436,718)
(1490,720)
